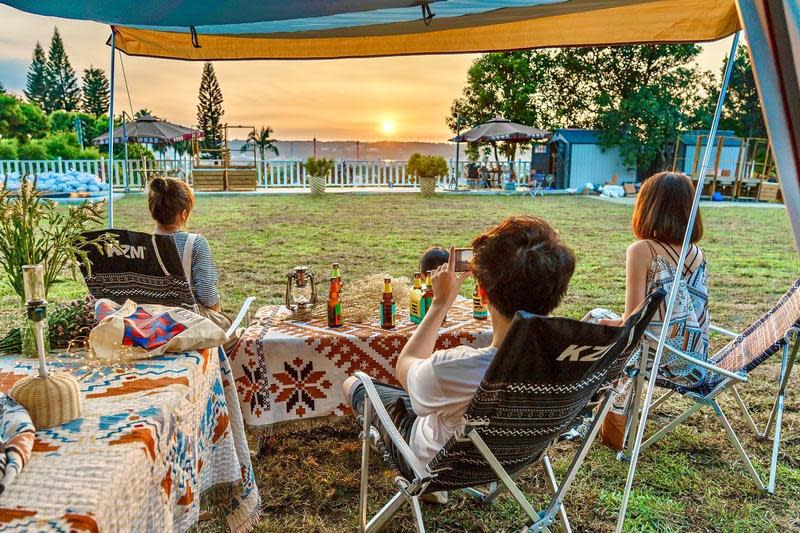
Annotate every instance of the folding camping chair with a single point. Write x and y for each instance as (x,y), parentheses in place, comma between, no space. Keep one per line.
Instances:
(536,185)
(776,331)
(144,268)
(543,376)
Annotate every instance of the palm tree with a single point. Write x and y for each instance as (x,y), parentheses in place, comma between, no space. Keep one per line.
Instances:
(263,141)
(143,112)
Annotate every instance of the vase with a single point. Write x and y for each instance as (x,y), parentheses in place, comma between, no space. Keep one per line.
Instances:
(317,185)
(427,186)
(29,340)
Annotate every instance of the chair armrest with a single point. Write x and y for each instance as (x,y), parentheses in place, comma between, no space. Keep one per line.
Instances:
(239,317)
(717,329)
(703,364)
(386,421)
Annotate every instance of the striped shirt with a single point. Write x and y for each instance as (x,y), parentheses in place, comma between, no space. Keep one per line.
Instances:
(204,272)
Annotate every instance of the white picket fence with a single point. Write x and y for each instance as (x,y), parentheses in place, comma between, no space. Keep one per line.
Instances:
(271,173)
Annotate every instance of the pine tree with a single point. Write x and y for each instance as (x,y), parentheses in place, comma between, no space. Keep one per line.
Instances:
(36,86)
(62,84)
(95,91)
(209,110)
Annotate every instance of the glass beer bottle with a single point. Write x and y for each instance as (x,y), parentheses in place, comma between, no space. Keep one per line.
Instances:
(427,296)
(336,273)
(415,300)
(479,309)
(387,305)
(334,304)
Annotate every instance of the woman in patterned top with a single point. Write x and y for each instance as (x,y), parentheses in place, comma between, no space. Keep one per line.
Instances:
(171,201)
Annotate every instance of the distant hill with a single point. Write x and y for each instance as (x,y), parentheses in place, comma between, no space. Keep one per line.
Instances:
(368,151)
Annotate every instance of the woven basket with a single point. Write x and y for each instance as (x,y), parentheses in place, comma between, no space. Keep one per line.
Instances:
(317,185)
(427,186)
(50,401)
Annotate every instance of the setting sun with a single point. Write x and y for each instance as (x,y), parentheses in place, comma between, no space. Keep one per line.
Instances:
(387,127)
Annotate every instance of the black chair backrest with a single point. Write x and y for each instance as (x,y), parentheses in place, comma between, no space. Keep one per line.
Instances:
(142,267)
(543,375)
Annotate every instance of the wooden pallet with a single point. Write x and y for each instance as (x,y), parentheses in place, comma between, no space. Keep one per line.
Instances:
(213,179)
(769,192)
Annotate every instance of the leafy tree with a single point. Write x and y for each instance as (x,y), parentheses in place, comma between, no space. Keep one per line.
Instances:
(36,85)
(742,109)
(2,89)
(8,149)
(33,150)
(209,109)
(95,91)
(261,140)
(62,85)
(21,120)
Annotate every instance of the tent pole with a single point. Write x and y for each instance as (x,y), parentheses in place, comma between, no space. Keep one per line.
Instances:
(110,172)
(687,241)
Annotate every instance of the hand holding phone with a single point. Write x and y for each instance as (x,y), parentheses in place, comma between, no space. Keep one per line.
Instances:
(463,259)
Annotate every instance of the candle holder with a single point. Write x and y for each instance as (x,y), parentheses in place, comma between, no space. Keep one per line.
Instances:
(50,399)
(301,289)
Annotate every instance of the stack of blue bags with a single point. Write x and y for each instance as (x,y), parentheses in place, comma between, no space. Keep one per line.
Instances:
(57,182)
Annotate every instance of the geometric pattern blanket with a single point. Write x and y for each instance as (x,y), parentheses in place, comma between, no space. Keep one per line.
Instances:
(16,440)
(154,435)
(292,370)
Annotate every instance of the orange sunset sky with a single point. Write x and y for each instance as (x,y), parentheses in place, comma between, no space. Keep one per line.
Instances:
(404,98)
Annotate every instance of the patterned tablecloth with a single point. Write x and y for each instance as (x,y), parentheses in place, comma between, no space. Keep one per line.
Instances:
(292,370)
(153,436)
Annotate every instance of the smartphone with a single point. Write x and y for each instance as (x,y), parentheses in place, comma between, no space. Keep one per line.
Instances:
(463,259)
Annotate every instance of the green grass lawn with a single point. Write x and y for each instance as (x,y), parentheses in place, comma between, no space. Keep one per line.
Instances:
(691,481)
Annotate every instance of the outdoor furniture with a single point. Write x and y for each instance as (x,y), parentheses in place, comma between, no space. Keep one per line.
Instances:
(776,331)
(152,438)
(292,370)
(146,269)
(544,374)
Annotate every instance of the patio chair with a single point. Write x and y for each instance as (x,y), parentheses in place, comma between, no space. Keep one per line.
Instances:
(536,185)
(146,269)
(776,331)
(543,376)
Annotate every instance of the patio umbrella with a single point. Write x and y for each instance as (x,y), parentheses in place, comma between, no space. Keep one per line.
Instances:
(501,129)
(151,130)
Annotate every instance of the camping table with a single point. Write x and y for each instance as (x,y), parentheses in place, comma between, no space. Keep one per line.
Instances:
(153,436)
(291,371)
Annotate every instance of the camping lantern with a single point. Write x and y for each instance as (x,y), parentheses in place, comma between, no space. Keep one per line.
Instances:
(301,289)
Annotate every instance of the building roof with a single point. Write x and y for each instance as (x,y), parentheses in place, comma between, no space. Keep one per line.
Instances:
(577,135)
(690,138)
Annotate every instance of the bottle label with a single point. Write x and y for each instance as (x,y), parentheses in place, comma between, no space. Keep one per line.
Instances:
(335,315)
(387,322)
(478,309)
(415,306)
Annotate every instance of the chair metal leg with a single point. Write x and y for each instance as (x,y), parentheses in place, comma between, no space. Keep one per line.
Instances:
(738,445)
(562,512)
(776,446)
(417,512)
(663,398)
(502,475)
(777,413)
(786,369)
(669,427)
(386,513)
(633,418)
(746,412)
(364,466)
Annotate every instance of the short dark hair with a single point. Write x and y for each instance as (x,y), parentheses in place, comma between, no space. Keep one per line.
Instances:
(663,207)
(433,258)
(523,265)
(167,198)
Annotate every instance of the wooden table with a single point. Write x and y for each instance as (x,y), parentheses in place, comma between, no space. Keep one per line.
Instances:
(154,435)
(291,371)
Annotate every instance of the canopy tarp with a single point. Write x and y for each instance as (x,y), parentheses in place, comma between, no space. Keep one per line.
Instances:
(151,130)
(501,129)
(318,29)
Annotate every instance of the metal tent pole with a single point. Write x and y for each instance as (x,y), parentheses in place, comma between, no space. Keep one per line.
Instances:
(110,172)
(687,238)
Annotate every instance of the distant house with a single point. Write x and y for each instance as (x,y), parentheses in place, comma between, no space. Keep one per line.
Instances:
(577,158)
(688,158)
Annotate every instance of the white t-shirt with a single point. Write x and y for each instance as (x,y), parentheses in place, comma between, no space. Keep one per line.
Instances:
(441,388)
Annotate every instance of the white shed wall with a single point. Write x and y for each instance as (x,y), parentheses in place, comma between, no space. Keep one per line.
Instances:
(730,155)
(589,163)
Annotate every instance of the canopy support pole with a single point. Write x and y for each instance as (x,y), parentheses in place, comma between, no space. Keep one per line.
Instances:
(687,241)
(110,172)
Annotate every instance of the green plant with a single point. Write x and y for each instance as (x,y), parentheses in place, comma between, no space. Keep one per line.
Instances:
(426,166)
(261,140)
(33,150)
(8,149)
(319,167)
(35,230)
(65,322)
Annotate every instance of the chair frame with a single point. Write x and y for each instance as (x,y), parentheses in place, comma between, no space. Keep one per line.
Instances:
(790,349)
(409,491)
